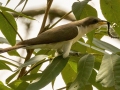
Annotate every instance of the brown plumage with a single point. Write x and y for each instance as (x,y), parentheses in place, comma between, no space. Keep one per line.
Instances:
(61,37)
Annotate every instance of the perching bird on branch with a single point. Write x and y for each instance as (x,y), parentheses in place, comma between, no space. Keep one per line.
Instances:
(62,37)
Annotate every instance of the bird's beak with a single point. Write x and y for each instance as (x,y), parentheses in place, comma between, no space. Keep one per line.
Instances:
(102,22)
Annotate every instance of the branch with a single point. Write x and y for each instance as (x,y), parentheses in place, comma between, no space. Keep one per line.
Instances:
(29,52)
(45,16)
(61,19)
(54,12)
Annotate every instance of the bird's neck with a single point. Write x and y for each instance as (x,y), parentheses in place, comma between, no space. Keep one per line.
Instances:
(81,32)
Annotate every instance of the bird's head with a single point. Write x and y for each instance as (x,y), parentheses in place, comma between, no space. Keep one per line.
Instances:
(93,22)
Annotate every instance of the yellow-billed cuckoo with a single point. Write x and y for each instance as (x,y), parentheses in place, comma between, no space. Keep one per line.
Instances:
(62,37)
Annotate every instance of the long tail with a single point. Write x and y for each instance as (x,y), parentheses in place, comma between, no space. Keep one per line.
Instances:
(11,48)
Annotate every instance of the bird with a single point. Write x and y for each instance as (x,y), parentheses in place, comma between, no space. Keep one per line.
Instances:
(60,38)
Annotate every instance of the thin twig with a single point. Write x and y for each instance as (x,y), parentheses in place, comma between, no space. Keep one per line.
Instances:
(61,19)
(45,16)
(10,59)
(62,88)
(23,6)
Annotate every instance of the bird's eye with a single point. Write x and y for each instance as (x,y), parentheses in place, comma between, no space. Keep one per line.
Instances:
(95,21)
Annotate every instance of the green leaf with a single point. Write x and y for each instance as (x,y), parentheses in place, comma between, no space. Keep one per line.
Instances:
(78,7)
(109,72)
(73,62)
(105,46)
(13,53)
(68,74)
(108,88)
(96,51)
(4,66)
(93,47)
(9,63)
(3,40)
(78,47)
(15,84)
(85,67)
(98,60)
(31,77)
(53,82)
(33,60)
(36,69)
(4,9)
(111,11)
(88,87)
(90,36)
(49,73)
(3,87)
(18,85)
(46,52)
(92,80)
(88,11)
(8,27)
(22,86)
(11,77)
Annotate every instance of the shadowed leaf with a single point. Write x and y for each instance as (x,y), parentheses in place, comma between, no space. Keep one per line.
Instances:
(106,46)
(109,72)
(85,67)
(4,66)
(33,60)
(78,7)
(3,87)
(49,73)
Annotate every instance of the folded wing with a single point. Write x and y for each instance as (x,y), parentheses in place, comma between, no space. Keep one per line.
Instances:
(58,34)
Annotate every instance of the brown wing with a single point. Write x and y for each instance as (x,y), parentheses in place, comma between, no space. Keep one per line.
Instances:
(58,34)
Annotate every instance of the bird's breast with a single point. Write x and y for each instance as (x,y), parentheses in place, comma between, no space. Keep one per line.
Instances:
(81,32)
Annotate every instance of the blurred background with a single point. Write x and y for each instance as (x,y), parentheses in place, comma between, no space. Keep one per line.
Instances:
(29,28)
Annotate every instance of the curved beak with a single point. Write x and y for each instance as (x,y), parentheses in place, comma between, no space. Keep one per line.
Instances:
(102,22)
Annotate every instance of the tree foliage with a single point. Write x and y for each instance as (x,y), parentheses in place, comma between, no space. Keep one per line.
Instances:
(92,66)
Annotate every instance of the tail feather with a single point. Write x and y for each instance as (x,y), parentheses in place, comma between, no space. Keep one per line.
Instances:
(11,48)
